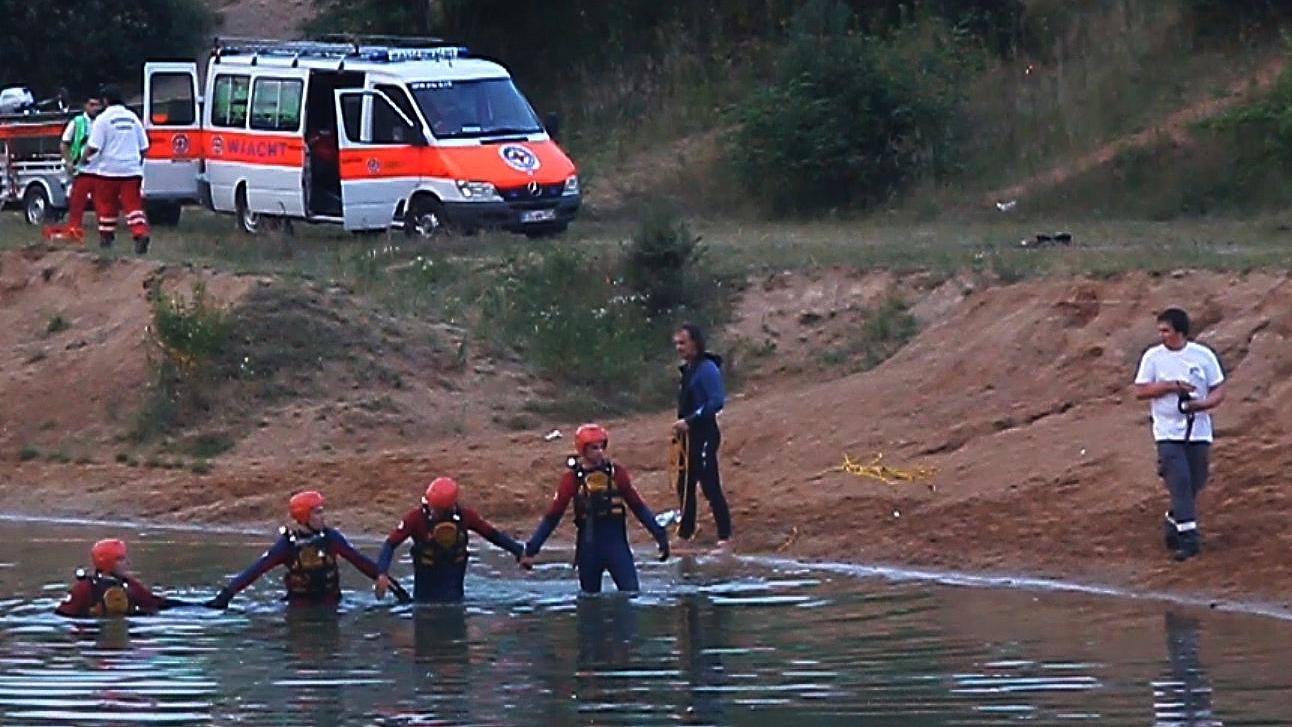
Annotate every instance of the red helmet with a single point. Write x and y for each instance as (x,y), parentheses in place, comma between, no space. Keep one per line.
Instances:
(107,553)
(590,434)
(441,494)
(302,504)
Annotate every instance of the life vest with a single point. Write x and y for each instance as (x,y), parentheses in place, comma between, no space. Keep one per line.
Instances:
(312,571)
(446,541)
(595,493)
(109,595)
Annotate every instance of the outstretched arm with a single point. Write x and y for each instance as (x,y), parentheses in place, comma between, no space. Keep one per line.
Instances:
(342,547)
(635,503)
(397,536)
(473,521)
(272,558)
(552,518)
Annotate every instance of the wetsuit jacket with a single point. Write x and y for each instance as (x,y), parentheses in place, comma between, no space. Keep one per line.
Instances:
(282,552)
(568,488)
(81,599)
(414,525)
(701,395)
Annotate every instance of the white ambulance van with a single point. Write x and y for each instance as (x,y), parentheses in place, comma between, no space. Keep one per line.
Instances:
(363,135)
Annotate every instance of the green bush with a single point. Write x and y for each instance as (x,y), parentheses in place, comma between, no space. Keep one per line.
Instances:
(578,319)
(662,261)
(850,119)
(190,334)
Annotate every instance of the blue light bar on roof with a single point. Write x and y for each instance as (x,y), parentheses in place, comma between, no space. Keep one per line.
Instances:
(383,54)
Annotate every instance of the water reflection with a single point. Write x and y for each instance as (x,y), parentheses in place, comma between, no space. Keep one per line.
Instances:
(1183,698)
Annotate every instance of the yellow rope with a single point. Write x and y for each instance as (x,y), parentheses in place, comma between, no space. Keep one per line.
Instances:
(888,475)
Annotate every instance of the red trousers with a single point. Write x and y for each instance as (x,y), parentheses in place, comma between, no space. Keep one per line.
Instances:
(114,195)
(77,200)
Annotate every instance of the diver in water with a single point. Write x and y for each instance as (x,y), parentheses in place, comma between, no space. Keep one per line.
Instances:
(438,528)
(309,550)
(111,589)
(602,493)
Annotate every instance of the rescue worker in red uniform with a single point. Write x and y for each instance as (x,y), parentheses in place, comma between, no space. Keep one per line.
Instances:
(111,590)
(601,491)
(75,138)
(115,156)
(438,529)
(308,548)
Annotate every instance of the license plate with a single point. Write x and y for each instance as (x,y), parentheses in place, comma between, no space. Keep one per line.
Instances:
(538,216)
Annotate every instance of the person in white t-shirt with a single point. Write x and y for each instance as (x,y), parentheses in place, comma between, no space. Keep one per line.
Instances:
(1183,382)
(115,154)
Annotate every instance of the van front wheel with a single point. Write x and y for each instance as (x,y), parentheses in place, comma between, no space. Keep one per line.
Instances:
(424,218)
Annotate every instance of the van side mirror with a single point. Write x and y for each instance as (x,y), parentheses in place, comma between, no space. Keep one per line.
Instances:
(553,124)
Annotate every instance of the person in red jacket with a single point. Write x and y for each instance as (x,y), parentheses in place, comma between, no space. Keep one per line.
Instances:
(308,549)
(438,528)
(111,590)
(602,494)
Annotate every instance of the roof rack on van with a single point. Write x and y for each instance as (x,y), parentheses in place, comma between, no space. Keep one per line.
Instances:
(398,41)
(357,47)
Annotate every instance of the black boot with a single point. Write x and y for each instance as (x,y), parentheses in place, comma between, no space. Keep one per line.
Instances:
(1189,545)
(141,244)
(1170,536)
(105,241)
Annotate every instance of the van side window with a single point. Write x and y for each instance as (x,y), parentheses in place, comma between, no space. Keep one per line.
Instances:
(276,104)
(229,108)
(172,99)
(400,97)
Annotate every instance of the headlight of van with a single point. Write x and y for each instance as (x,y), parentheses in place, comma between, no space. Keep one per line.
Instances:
(476,190)
(571,185)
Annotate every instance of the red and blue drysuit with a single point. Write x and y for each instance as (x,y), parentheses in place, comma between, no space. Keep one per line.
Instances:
(310,556)
(439,550)
(600,496)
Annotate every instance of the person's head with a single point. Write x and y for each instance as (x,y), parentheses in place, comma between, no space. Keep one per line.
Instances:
(1173,328)
(109,556)
(688,339)
(306,508)
(590,441)
(111,94)
(441,495)
(93,105)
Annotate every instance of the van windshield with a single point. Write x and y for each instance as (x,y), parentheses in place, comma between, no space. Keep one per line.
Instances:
(468,109)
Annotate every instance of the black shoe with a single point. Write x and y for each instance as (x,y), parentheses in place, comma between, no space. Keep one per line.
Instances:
(105,241)
(141,244)
(1170,536)
(1189,545)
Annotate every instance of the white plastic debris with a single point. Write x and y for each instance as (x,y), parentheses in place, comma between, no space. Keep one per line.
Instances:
(552,436)
(1007,206)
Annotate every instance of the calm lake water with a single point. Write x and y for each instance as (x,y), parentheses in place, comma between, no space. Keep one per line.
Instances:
(710,641)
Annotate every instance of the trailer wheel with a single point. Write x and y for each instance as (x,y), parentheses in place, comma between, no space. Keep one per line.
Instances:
(35,203)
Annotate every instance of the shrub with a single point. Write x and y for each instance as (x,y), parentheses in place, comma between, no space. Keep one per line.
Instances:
(189,335)
(662,261)
(850,119)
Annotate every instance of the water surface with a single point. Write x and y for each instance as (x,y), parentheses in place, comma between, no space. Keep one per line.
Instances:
(710,641)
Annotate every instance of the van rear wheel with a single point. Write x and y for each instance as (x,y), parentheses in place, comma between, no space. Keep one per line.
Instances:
(248,221)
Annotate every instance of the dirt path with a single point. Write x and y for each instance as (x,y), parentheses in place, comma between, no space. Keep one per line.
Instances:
(1174,127)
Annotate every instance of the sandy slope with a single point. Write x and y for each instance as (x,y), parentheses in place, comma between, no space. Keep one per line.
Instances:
(1017,394)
